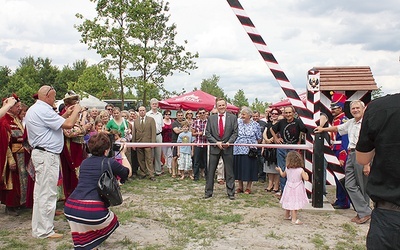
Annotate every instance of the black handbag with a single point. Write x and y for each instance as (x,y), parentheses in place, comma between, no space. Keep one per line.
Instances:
(252,153)
(108,187)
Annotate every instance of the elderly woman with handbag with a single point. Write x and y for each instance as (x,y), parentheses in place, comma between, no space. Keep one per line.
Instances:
(88,215)
(245,165)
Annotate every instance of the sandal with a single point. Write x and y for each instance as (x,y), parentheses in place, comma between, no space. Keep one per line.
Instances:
(287,218)
(239,190)
(297,222)
(248,191)
(268,189)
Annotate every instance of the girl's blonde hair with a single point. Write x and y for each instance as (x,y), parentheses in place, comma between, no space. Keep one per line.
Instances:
(185,123)
(294,160)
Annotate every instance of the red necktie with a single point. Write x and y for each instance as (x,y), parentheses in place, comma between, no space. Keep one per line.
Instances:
(221,126)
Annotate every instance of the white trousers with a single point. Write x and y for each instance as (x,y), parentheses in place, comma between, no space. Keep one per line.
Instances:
(47,167)
(167,151)
(157,155)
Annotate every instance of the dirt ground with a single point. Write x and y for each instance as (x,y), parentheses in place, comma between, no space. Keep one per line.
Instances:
(261,227)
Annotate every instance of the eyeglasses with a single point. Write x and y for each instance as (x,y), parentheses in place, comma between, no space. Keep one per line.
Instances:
(201,113)
(110,109)
(48,91)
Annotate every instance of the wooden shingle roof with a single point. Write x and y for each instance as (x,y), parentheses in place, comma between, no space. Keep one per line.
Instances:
(346,78)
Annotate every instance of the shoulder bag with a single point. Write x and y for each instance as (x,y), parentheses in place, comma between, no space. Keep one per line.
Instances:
(252,153)
(108,187)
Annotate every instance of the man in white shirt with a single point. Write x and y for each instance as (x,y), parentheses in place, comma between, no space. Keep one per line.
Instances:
(158,118)
(45,135)
(356,175)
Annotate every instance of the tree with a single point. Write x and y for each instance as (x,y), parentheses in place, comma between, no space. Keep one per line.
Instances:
(70,75)
(30,75)
(377,93)
(240,100)
(133,35)
(94,81)
(211,87)
(5,73)
(259,105)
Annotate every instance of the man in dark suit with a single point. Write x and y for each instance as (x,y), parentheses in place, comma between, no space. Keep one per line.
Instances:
(145,131)
(221,129)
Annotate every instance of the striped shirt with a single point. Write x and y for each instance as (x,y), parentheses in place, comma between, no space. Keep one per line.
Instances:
(200,126)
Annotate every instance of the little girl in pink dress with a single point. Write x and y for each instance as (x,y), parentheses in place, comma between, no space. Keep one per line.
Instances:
(294,196)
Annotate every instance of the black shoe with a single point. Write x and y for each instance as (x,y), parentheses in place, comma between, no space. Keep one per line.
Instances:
(12,211)
(340,207)
(152,179)
(231,197)
(207,197)
(142,177)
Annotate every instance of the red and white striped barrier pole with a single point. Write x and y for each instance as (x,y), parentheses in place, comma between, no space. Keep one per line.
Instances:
(166,144)
(272,63)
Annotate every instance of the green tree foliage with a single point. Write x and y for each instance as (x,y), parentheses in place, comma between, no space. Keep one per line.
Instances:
(210,86)
(133,35)
(259,105)
(30,75)
(377,93)
(240,100)
(70,75)
(5,73)
(93,80)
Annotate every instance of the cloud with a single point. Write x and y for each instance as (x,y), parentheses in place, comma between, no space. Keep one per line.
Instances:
(300,34)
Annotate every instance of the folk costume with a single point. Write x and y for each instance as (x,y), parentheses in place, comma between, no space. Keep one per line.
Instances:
(339,147)
(73,153)
(13,180)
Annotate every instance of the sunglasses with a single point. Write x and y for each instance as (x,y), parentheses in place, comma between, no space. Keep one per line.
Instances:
(109,109)
(214,113)
(201,113)
(274,113)
(48,91)
(168,114)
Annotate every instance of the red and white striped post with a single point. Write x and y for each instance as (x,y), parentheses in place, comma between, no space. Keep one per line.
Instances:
(304,114)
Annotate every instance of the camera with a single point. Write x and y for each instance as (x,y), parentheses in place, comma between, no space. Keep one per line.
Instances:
(116,147)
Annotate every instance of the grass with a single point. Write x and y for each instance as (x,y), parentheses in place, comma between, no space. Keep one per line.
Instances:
(174,213)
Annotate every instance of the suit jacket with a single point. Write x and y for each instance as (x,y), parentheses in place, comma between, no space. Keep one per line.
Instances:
(230,132)
(145,133)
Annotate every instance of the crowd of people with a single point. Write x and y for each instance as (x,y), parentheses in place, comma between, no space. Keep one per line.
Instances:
(46,152)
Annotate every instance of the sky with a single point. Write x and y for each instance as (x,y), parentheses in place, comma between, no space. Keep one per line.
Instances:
(301,34)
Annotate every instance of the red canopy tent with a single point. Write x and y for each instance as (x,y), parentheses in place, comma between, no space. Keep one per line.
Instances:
(193,101)
(286,102)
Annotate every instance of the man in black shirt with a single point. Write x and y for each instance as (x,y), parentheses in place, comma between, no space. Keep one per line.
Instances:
(289,130)
(380,140)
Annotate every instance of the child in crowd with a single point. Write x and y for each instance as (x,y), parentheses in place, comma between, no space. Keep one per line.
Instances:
(118,139)
(294,196)
(185,153)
